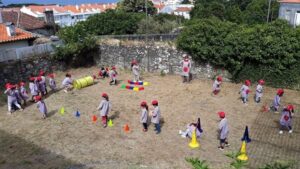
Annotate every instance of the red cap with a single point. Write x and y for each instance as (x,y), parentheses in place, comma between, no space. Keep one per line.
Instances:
(42,73)
(261,82)
(37,98)
(104,95)
(7,84)
(39,78)
(22,84)
(133,62)
(219,78)
(32,78)
(143,103)
(113,68)
(221,114)
(290,107)
(280,91)
(154,102)
(247,82)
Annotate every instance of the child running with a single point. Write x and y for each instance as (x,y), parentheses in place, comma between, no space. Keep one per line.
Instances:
(156,116)
(286,119)
(41,106)
(223,131)
(217,85)
(104,108)
(244,91)
(144,115)
(259,91)
(135,70)
(11,98)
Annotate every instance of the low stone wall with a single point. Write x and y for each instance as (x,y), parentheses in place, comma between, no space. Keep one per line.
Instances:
(17,70)
(160,56)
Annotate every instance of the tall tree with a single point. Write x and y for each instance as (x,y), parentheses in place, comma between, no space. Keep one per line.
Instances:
(137,6)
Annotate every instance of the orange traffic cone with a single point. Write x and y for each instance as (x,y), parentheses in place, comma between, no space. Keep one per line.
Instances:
(126,128)
(94,118)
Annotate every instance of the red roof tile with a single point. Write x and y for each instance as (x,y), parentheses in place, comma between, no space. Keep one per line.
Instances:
(159,6)
(21,35)
(26,22)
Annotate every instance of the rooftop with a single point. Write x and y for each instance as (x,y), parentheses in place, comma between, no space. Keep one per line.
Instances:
(289,1)
(20,35)
(183,9)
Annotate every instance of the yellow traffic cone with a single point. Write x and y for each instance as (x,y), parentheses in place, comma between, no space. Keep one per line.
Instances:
(194,143)
(243,156)
(62,111)
(110,123)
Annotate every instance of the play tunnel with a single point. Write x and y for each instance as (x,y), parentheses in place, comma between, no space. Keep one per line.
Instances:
(83,82)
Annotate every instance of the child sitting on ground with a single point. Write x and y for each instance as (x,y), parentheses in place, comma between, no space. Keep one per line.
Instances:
(67,83)
(190,128)
(223,131)
(144,115)
(217,85)
(286,119)
(41,106)
(11,97)
(113,76)
(104,107)
(103,73)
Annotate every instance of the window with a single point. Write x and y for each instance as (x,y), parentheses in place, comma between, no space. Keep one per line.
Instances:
(288,15)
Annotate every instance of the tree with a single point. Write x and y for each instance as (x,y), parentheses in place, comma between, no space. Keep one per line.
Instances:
(207,10)
(137,6)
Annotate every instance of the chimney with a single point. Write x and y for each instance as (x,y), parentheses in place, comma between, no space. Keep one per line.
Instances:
(10,29)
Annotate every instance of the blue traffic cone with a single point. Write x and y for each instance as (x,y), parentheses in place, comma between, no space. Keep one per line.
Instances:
(199,126)
(246,136)
(77,114)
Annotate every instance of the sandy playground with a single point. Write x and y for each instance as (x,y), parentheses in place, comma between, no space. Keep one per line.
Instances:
(67,142)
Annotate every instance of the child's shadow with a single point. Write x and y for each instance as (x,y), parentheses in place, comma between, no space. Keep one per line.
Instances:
(51,113)
(115,115)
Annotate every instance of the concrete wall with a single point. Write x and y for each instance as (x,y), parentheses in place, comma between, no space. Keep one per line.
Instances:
(13,45)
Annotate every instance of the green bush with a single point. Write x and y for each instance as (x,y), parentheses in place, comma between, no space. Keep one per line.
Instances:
(269,51)
(278,165)
(197,164)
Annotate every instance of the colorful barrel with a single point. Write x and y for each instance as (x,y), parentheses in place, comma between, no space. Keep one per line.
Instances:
(83,82)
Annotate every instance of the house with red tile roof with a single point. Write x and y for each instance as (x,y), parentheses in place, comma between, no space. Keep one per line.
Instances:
(67,15)
(290,10)
(12,37)
(26,22)
(183,11)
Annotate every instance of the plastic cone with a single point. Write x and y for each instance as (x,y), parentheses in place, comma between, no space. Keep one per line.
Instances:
(136,89)
(194,143)
(110,123)
(146,83)
(62,110)
(77,114)
(126,128)
(94,118)
(246,136)
(243,156)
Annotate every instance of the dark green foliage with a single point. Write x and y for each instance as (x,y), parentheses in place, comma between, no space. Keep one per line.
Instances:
(269,51)
(137,6)
(278,165)
(236,163)
(197,164)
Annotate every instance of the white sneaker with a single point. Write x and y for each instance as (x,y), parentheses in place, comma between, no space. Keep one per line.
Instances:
(183,136)
(291,131)
(276,112)
(66,91)
(280,132)
(180,132)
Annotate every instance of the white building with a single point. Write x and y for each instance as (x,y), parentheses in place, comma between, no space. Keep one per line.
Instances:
(178,9)
(67,15)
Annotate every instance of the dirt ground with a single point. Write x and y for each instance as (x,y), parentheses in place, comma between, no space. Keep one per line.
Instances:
(64,141)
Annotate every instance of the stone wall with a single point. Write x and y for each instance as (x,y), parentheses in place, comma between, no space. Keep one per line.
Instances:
(17,70)
(162,57)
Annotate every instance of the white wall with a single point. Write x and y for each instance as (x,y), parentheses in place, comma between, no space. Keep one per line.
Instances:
(12,45)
